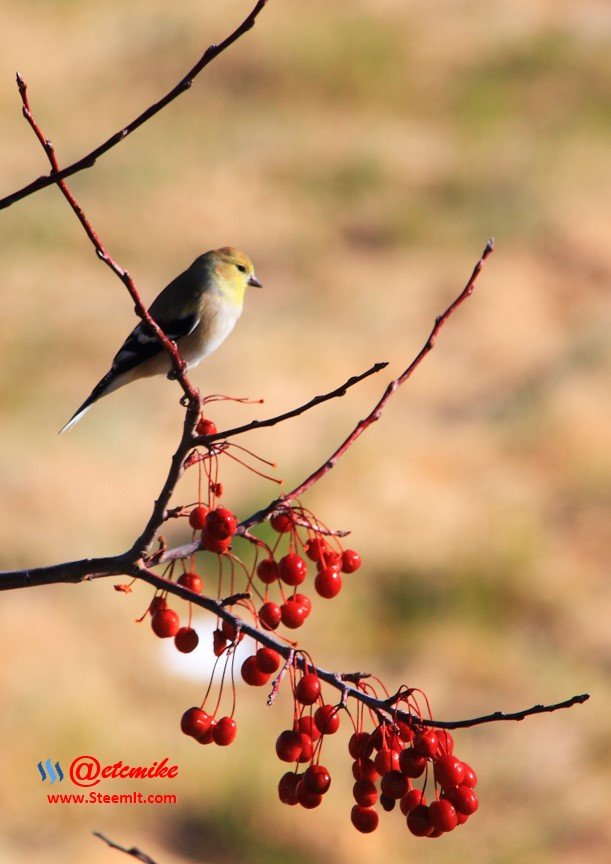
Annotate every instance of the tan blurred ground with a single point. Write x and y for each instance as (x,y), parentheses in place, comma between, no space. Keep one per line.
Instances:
(362,153)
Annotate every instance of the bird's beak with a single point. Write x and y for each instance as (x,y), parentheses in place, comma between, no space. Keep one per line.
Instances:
(254,282)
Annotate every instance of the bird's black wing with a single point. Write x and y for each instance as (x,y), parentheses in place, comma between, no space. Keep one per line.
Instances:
(141,344)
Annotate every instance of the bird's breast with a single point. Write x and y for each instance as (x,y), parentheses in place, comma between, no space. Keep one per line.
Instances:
(217,323)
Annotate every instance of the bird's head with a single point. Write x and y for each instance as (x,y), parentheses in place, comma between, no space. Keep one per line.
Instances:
(233,272)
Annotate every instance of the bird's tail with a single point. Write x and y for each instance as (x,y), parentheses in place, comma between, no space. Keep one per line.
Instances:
(101,389)
(76,417)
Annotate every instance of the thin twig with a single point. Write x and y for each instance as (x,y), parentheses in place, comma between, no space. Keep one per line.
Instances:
(294,412)
(185,83)
(376,412)
(135,853)
(141,310)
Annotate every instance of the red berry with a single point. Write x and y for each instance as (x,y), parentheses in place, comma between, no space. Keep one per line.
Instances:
(219,642)
(331,558)
(282,522)
(449,771)
(316,548)
(364,819)
(293,614)
(304,601)
(267,571)
(357,744)
(365,793)
(230,631)
(221,523)
(208,736)
(267,660)
(411,763)
(289,745)
(446,742)
(191,581)
(470,778)
(351,561)
(252,674)
(212,544)
(426,743)
(386,760)
(307,748)
(411,799)
(287,788)
(307,690)
(442,815)
(387,802)
(195,722)
(269,616)
(165,623)
(418,821)
(157,604)
(326,718)
(328,582)
(306,797)
(317,779)
(306,724)
(197,517)
(393,784)
(205,427)
(405,731)
(225,731)
(292,569)
(462,798)
(382,736)
(365,769)
(186,640)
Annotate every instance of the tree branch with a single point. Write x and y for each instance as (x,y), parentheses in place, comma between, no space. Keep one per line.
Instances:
(135,853)
(376,412)
(177,363)
(185,83)
(103,567)
(69,571)
(206,440)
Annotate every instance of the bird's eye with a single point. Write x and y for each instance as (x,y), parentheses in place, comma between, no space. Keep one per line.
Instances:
(241,268)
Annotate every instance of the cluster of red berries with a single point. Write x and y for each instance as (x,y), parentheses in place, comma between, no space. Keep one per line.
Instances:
(165,622)
(387,762)
(206,729)
(288,571)
(303,743)
(291,570)
(256,671)
(217,527)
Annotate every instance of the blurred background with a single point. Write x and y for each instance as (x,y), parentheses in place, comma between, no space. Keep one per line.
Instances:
(362,153)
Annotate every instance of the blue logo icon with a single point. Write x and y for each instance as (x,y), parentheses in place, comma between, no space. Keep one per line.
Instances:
(54,773)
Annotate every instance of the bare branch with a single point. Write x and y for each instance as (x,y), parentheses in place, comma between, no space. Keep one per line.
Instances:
(185,83)
(141,310)
(294,412)
(376,412)
(135,853)
(340,681)
(68,572)
(516,715)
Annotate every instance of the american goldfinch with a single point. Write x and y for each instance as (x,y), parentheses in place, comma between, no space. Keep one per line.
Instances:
(197,310)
